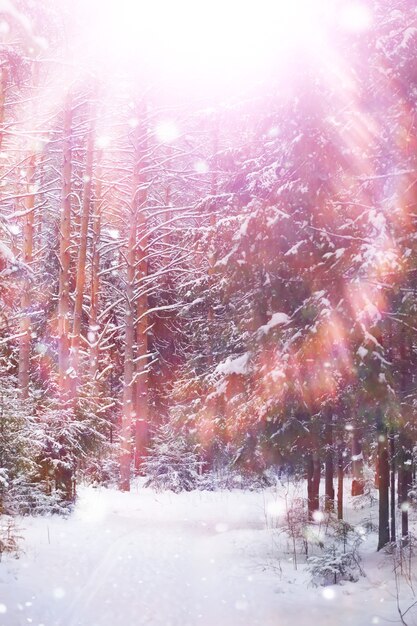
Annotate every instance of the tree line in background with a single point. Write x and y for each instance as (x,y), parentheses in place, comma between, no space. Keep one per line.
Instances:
(188,291)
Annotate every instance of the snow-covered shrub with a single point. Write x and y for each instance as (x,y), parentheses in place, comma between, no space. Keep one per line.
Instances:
(229,471)
(296,526)
(71,437)
(9,536)
(171,462)
(333,566)
(342,531)
(220,479)
(102,471)
(248,461)
(43,442)
(229,477)
(25,497)
(19,444)
(60,436)
(369,524)
(24,438)
(369,498)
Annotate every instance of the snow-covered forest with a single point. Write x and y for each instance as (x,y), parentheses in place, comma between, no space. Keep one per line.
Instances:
(208,314)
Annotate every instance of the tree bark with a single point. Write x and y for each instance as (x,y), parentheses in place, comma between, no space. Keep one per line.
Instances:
(129,367)
(82,258)
(64,256)
(391,438)
(358,483)
(405,444)
(383,485)
(28,243)
(392,485)
(406,478)
(141,370)
(329,466)
(95,277)
(313,483)
(26,299)
(4,79)
(340,473)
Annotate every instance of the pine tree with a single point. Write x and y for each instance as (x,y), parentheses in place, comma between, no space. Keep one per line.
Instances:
(171,463)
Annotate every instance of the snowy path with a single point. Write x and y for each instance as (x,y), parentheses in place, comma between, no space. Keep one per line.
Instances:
(165,560)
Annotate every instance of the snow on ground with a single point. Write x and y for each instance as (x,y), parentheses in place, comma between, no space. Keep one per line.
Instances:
(199,558)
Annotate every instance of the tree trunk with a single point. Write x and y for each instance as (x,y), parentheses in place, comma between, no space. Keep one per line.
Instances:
(26,299)
(406,479)
(313,483)
(392,485)
(64,256)
(95,278)
(358,483)
(141,412)
(142,383)
(129,366)
(391,438)
(340,472)
(329,466)
(134,393)
(4,79)
(405,444)
(383,482)
(28,242)
(82,258)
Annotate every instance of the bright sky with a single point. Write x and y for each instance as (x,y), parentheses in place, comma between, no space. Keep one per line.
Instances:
(221,39)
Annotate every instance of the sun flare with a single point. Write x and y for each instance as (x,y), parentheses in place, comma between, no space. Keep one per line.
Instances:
(212,36)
